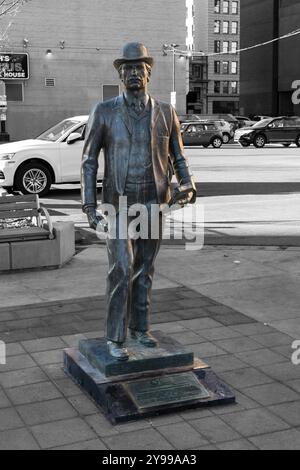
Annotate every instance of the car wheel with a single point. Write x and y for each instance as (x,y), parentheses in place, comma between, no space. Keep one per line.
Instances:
(286,145)
(260,141)
(217,142)
(226,138)
(298,141)
(33,178)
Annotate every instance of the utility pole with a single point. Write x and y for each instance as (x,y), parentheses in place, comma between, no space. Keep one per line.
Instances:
(172,48)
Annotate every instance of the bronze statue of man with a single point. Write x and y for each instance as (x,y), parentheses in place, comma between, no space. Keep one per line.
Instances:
(141,140)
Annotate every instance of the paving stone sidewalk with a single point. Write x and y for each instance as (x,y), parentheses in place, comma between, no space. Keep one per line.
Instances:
(41,408)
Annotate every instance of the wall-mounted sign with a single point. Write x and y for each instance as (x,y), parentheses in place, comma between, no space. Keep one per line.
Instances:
(14,66)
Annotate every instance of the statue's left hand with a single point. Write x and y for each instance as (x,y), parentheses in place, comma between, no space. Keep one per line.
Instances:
(183,195)
(186,200)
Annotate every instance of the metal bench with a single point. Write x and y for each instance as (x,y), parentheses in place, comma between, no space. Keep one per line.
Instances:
(22,218)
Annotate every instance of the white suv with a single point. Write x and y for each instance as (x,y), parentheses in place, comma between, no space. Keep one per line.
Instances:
(31,166)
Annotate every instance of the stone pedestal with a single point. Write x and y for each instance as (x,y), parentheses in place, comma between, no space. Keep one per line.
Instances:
(153,381)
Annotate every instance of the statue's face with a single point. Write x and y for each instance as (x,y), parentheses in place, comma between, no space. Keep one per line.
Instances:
(135,75)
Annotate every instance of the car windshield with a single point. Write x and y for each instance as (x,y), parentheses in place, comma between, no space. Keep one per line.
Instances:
(262,123)
(57,131)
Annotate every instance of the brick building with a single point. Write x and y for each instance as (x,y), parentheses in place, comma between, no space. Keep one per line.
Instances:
(71,46)
(268,72)
(215,76)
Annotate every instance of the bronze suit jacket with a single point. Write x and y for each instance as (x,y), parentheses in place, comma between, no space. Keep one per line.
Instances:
(109,128)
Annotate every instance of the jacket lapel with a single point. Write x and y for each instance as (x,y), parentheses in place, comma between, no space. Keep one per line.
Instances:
(155,114)
(124,114)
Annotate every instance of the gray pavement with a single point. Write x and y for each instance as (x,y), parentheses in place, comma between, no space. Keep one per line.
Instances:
(236,308)
(261,282)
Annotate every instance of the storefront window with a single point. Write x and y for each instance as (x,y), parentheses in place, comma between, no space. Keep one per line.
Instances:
(14,91)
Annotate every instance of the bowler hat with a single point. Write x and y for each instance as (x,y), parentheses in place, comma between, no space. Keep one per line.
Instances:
(133,52)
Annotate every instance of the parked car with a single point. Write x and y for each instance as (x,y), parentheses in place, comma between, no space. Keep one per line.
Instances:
(258,118)
(245,121)
(32,166)
(225,117)
(188,118)
(284,130)
(201,134)
(225,127)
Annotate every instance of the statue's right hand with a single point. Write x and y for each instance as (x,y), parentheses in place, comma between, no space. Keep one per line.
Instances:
(95,219)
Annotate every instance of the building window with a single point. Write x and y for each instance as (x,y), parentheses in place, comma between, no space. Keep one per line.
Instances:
(217,6)
(234,47)
(225,67)
(217,46)
(225,46)
(14,91)
(234,88)
(225,27)
(197,71)
(234,8)
(225,87)
(217,87)
(217,26)
(225,7)
(110,91)
(234,66)
(217,66)
(198,92)
(234,27)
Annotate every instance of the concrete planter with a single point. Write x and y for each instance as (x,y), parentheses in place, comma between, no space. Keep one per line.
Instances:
(40,253)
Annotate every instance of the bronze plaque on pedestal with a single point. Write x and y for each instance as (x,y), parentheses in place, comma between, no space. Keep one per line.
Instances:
(165,390)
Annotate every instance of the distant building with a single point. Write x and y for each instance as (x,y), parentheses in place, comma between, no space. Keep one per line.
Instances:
(268,72)
(214,78)
(72,45)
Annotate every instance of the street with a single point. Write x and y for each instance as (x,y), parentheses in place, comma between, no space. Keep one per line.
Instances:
(233,164)
(245,192)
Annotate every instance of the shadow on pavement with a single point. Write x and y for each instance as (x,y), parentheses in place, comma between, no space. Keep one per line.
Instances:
(231,189)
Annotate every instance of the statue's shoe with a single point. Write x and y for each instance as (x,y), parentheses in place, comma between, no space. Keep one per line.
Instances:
(145,338)
(117,351)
